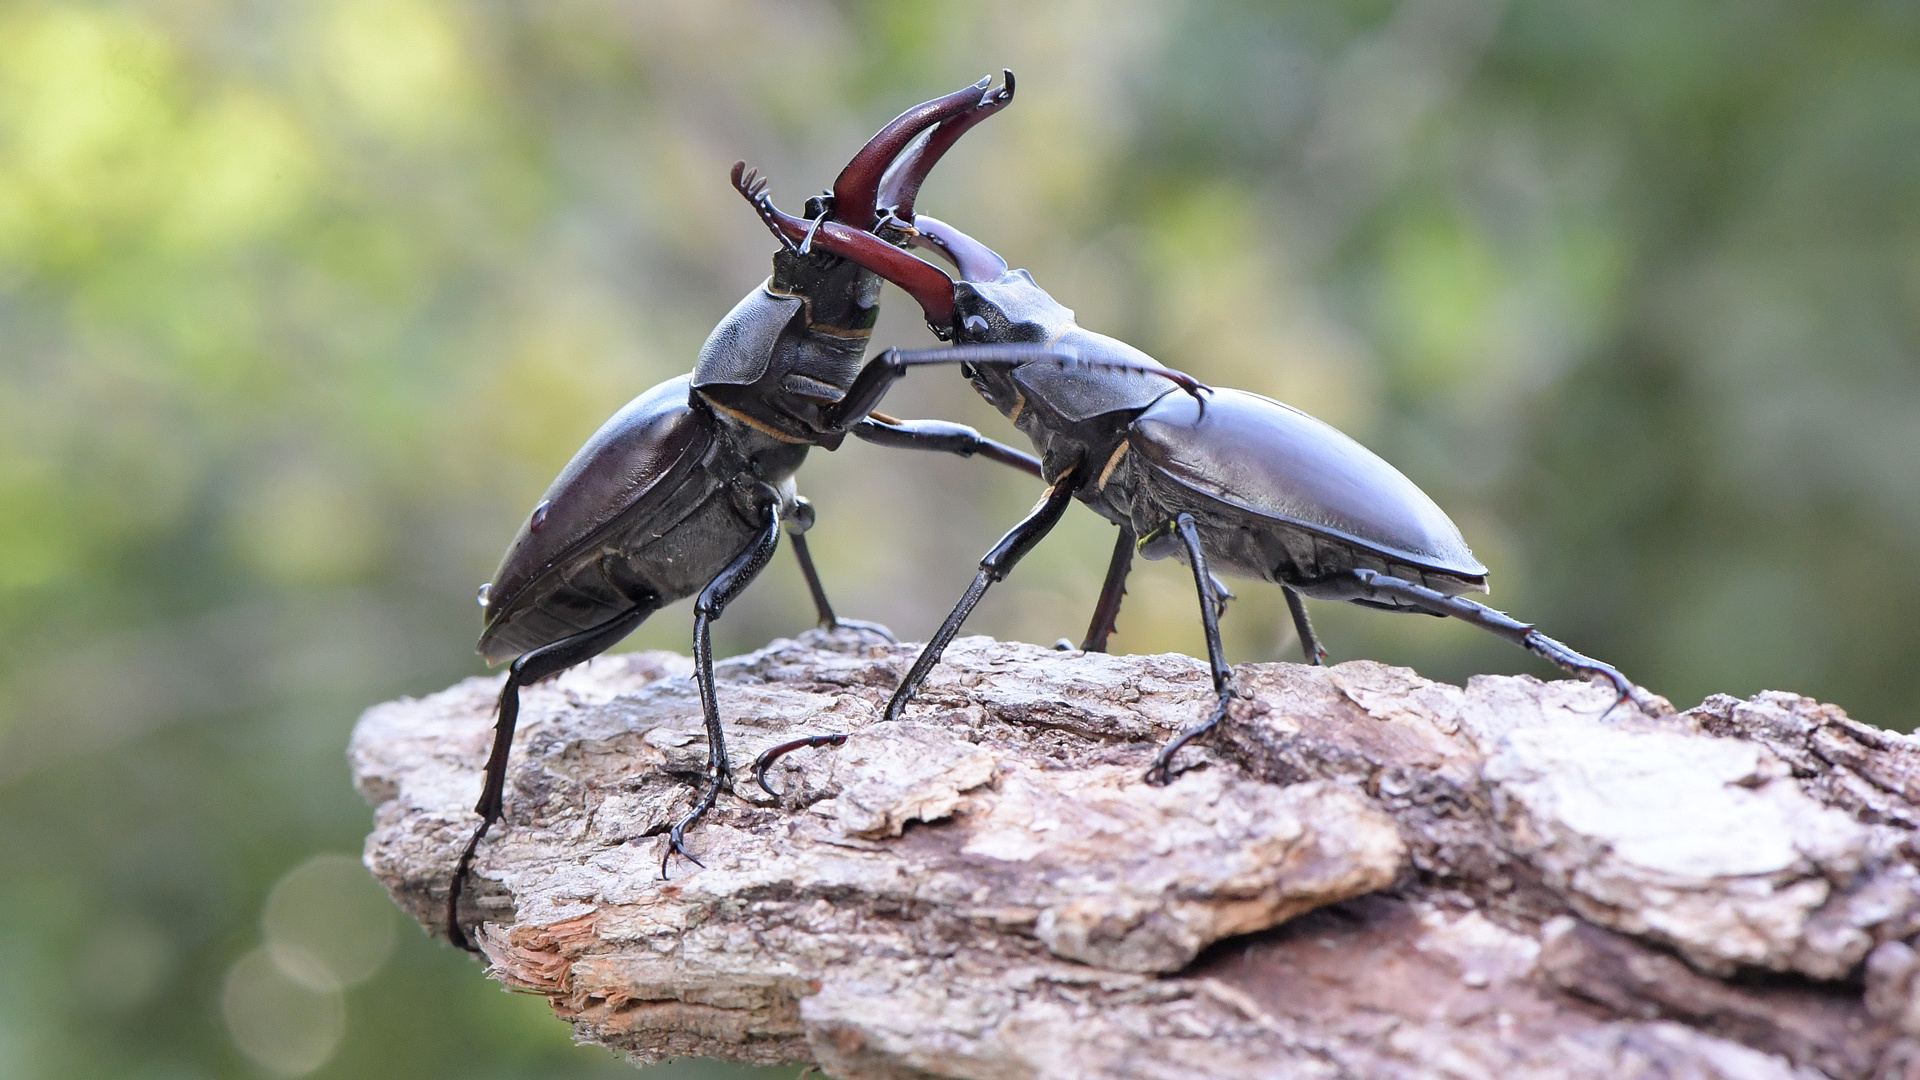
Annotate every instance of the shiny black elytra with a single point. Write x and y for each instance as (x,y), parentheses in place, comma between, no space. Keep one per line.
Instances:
(1220,479)
(688,487)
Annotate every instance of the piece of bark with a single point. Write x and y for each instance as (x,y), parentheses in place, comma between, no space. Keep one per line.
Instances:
(1365,873)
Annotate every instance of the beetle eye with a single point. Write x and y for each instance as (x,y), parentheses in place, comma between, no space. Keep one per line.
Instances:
(975,328)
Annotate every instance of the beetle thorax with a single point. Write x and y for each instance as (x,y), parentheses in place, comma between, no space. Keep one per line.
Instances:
(751,451)
(791,347)
(1059,443)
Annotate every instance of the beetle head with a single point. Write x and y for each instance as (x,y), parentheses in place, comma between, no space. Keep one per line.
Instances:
(796,344)
(989,304)
(829,255)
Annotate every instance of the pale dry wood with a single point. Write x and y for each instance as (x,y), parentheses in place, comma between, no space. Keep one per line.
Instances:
(1369,874)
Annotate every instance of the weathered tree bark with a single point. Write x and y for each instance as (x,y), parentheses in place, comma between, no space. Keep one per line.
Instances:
(1368,874)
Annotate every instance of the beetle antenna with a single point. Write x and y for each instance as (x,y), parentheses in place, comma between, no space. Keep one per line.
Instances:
(1014,354)
(753,188)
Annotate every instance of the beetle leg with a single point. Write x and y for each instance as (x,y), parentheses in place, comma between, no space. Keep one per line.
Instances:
(1373,585)
(995,567)
(1309,641)
(882,430)
(881,372)
(1018,541)
(806,242)
(823,609)
(1221,595)
(829,620)
(774,753)
(531,667)
(1014,354)
(1106,612)
(1160,772)
(713,600)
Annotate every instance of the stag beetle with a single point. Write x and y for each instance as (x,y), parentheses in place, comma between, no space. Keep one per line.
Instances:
(688,487)
(1217,478)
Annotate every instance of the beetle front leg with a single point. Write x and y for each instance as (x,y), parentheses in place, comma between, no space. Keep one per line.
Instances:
(713,600)
(883,430)
(1160,771)
(995,567)
(881,372)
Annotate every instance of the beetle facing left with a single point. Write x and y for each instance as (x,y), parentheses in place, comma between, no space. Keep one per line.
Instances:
(688,488)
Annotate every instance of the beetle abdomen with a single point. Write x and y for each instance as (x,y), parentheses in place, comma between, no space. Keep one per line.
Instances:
(555,579)
(1296,498)
(664,549)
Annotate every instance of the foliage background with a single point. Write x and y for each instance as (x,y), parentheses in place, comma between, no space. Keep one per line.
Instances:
(303,302)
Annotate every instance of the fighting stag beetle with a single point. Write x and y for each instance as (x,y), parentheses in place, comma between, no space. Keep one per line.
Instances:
(688,487)
(1221,478)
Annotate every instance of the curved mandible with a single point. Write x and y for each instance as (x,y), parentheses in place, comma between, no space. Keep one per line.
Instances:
(901,185)
(929,285)
(856,191)
(975,260)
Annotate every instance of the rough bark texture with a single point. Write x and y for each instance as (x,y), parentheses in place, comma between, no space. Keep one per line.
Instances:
(1366,873)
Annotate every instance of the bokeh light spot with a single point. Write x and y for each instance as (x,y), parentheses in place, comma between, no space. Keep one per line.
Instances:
(328,924)
(287,1028)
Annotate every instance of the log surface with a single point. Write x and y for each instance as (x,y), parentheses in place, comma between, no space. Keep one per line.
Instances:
(1364,873)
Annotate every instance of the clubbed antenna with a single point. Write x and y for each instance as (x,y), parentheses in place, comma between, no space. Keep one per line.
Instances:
(753,188)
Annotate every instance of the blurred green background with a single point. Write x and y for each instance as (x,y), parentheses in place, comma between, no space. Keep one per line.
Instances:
(303,303)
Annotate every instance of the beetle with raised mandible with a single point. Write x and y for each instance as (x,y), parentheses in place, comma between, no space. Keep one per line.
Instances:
(1216,478)
(688,488)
